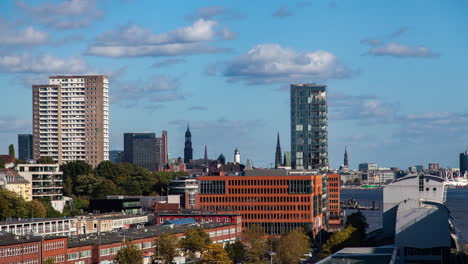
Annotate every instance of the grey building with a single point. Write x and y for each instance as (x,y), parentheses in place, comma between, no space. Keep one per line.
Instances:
(25,146)
(367,166)
(464,162)
(309,127)
(116,156)
(142,149)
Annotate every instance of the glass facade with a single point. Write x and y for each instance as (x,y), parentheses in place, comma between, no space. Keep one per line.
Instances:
(25,147)
(309,127)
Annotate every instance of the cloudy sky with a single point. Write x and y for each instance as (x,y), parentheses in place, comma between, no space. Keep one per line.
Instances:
(397,71)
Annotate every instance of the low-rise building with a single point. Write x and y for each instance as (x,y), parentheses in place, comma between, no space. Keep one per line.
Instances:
(31,250)
(46,181)
(187,188)
(40,227)
(117,204)
(12,181)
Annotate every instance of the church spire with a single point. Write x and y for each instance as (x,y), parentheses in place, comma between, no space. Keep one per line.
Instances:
(188,150)
(278,153)
(206,154)
(345,162)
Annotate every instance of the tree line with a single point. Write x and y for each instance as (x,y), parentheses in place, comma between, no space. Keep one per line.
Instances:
(108,178)
(13,206)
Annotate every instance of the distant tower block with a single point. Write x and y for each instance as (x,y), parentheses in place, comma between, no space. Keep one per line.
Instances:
(236,156)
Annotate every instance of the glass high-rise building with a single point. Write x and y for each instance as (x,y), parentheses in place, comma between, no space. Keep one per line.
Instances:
(25,146)
(464,162)
(309,127)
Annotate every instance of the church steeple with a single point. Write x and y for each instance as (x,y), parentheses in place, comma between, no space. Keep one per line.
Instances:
(188,151)
(278,153)
(206,155)
(345,162)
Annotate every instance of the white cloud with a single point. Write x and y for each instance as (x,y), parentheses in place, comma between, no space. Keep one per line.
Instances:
(399,50)
(379,47)
(267,63)
(132,40)
(69,14)
(157,90)
(27,36)
(365,109)
(42,64)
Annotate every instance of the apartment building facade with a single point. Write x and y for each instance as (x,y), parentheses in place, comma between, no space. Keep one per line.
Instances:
(71,119)
(46,182)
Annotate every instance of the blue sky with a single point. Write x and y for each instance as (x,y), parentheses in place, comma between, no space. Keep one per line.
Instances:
(397,71)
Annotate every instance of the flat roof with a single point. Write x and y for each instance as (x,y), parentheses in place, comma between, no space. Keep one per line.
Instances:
(147,232)
(9,239)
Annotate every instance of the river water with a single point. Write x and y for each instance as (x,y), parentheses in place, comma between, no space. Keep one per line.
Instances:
(457,203)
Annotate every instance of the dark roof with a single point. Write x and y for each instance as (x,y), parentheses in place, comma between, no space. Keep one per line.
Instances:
(9,239)
(147,232)
(7,158)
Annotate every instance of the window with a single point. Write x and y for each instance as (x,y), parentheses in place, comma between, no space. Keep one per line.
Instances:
(85,254)
(146,245)
(72,256)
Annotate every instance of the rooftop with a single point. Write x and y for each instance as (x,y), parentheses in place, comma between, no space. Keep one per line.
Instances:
(147,232)
(9,239)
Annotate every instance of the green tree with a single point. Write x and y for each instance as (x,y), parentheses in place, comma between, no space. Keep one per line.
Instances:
(45,160)
(162,179)
(195,240)
(129,254)
(115,172)
(166,247)
(357,180)
(349,237)
(12,205)
(11,150)
(215,254)
(86,184)
(71,171)
(36,209)
(236,252)
(2,163)
(293,245)
(49,261)
(359,221)
(254,237)
(104,188)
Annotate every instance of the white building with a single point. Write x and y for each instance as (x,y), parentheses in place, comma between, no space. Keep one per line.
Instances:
(46,181)
(411,187)
(71,119)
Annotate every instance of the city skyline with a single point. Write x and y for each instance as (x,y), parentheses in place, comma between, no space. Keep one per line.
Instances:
(397,88)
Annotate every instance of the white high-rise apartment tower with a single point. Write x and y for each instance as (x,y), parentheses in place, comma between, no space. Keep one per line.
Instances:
(71,119)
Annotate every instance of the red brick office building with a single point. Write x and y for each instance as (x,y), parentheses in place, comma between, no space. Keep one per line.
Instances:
(277,200)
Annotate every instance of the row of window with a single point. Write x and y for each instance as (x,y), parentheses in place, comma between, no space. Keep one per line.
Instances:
(266,208)
(28,261)
(261,199)
(257,183)
(77,255)
(54,245)
(16,251)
